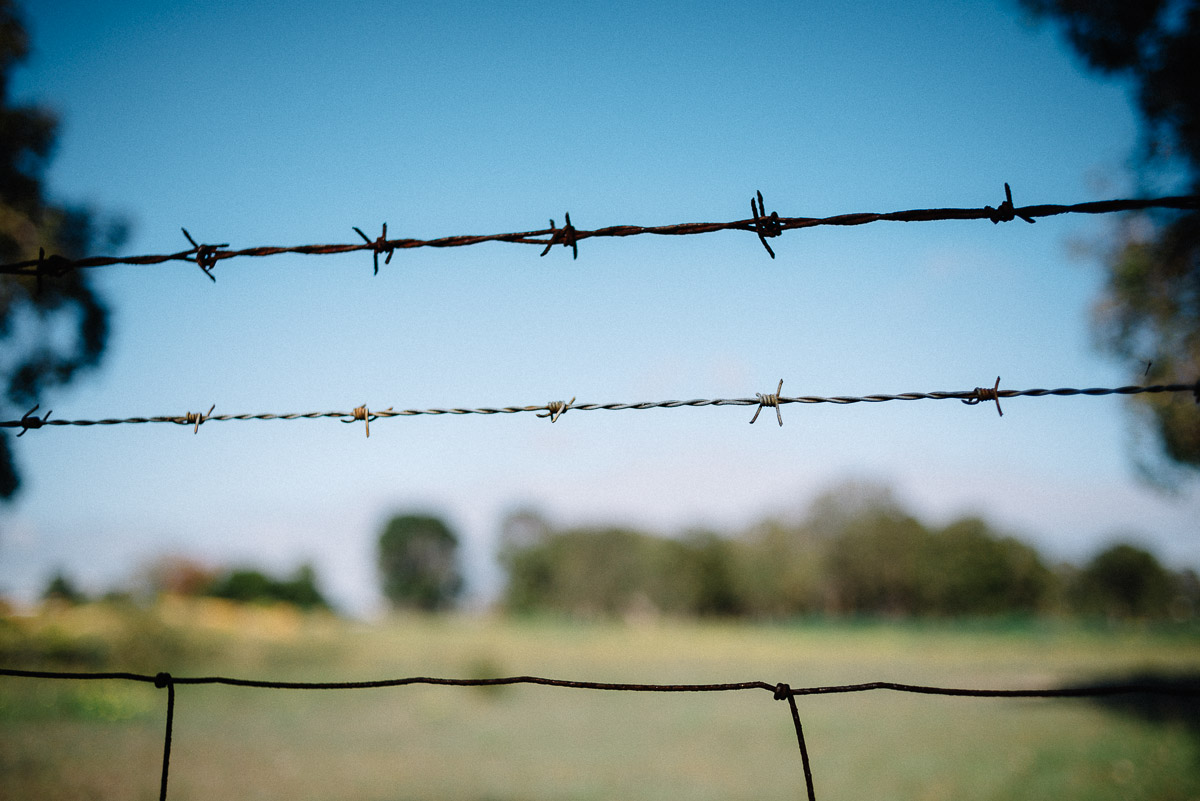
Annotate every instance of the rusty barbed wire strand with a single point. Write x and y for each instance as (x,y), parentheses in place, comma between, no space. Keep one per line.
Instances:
(779,691)
(555,409)
(761,223)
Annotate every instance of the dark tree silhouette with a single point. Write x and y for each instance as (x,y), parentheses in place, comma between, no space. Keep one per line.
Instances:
(1150,308)
(49,329)
(418,563)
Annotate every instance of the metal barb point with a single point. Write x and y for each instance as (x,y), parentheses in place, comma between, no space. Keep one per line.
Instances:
(985,394)
(364,414)
(564,236)
(197,419)
(1007,211)
(556,409)
(378,246)
(765,226)
(204,256)
(769,400)
(28,421)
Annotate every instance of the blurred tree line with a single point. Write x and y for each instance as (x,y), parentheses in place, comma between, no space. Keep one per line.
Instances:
(856,553)
(181,576)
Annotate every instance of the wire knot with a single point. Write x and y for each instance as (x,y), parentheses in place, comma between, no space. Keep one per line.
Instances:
(28,421)
(1007,212)
(782,692)
(769,400)
(204,256)
(564,236)
(197,419)
(765,226)
(162,680)
(981,394)
(379,245)
(56,267)
(361,413)
(556,409)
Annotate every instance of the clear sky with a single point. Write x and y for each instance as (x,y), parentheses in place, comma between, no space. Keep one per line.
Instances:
(256,123)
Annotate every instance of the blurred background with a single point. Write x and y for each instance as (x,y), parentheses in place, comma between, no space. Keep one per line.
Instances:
(928,541)
(255,127)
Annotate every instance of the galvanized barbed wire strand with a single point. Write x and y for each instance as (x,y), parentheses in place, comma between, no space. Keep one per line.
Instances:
(762,224)
(555,409)
(780,691)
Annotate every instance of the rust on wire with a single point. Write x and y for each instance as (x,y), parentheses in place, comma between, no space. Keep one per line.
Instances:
(379,245)
(204,256)
(986,394)
(363,414)
(566,236)
(764,226)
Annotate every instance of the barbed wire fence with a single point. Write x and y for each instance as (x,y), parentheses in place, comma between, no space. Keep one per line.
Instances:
(556,409)
(765,226)
(780,691)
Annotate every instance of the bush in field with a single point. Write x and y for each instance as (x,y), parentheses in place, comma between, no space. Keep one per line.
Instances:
(63,590)
(247,585)
(418,563)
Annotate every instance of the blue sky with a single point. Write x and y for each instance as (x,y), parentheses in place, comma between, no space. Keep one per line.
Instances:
(255,126)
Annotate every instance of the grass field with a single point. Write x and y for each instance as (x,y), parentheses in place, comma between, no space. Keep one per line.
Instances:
(103,740)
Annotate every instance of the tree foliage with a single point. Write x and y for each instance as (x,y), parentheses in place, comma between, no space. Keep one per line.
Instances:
(418,563)
(49,329)
(858,552)
(1149,310)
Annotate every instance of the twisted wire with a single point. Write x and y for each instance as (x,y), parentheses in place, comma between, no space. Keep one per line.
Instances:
(762,224)
(555,409)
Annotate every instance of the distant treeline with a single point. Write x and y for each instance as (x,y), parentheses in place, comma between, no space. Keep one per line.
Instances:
(856,553)
(177,575)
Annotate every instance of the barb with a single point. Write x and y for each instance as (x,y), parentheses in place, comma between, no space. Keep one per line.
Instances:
(206,256)
(984,394)
(765,226)
(364,414)
(556,409)
(769,400)
(197,418)
(566,236)
(28,421)
(1007,212)
(378,246)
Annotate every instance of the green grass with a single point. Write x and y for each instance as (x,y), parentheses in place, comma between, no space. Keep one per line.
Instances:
(103,740)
